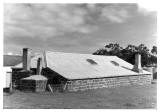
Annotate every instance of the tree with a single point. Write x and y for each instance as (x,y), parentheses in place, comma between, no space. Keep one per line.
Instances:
(101,52)
(128,53)
(153,60)
(144,51)
(154,50)
(114,49)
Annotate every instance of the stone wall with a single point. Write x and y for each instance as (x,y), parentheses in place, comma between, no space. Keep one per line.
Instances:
(109,82)
(33,85)
(18,74)
(27,85)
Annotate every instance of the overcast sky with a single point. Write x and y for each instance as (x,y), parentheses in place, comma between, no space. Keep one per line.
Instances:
(80,28)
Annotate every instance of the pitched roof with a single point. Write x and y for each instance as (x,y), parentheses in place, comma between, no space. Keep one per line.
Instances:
(80,66)
(35,77)
(11,60)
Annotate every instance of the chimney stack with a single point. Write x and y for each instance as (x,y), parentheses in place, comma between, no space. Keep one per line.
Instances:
(39,66)
(137,66)
(44,59)
(26,58)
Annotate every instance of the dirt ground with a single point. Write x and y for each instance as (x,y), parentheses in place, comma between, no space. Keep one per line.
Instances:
(128,97)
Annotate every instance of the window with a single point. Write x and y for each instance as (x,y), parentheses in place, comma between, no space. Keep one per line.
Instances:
(91,61)
(115,63)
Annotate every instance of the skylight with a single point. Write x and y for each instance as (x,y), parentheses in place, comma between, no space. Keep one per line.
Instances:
(115,63)
(91,61)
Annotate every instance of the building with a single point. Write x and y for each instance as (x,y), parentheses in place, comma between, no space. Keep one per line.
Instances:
(74,72)
(8,62)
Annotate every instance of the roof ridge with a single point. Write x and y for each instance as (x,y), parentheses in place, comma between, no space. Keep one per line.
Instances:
(77,53)
(11,55)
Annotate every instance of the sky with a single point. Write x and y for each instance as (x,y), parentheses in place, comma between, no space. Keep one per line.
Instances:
(78,28)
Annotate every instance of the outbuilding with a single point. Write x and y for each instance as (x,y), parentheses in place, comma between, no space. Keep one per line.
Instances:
(8,62)
(74,72)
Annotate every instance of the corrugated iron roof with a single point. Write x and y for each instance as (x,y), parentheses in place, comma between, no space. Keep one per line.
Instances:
(35,77)
(77,66)
(11,60)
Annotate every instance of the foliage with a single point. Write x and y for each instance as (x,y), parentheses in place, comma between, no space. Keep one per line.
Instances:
(129,52)
(154,50)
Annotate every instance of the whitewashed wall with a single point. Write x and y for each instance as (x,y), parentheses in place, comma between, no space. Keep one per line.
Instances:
(7,72)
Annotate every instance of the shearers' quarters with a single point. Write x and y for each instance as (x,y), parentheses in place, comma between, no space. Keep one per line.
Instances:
(8,62)
(74,72)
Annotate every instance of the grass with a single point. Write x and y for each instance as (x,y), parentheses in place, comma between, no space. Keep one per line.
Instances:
(129,97)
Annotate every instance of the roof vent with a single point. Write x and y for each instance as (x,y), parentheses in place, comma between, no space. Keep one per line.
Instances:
(91,61)
(115,63)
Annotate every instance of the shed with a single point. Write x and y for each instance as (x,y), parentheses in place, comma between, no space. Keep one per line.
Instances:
(8,62)
(74,71)
(36,83)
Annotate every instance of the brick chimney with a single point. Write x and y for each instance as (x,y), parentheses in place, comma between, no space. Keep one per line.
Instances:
(137,66)
(39,66)
(26,58)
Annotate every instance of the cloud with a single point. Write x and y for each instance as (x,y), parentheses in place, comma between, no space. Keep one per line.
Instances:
(49,20)
(44,21)
(67,26)
(115,13)
(146,8)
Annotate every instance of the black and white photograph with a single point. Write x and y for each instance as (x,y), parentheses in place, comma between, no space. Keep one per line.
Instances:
(79,56)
